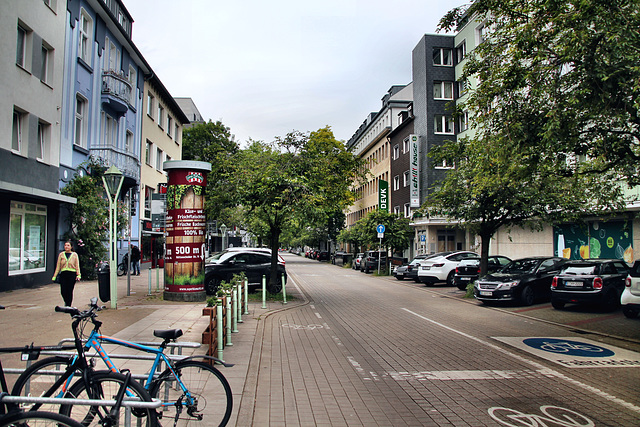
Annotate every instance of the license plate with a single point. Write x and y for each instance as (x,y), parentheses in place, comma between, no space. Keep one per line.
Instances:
(573,284)
(464,279)
(486,293)
(399,273)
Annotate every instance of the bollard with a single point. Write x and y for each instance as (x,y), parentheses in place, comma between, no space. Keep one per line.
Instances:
(234,311)
(264,292)
(229,320)
(284,291)
(149,281)
(157,278)
(240,301)
(219,329)
(246,297)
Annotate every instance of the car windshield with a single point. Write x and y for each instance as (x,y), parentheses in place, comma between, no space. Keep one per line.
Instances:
(219,257)
(577,270)
(521,266)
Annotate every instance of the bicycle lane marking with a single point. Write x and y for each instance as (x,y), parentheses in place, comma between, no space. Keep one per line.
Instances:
(543,369)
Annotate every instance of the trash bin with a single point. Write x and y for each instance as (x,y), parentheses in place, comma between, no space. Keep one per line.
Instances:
(104,279)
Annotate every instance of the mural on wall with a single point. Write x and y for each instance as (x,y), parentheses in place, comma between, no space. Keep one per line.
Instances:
(595,239)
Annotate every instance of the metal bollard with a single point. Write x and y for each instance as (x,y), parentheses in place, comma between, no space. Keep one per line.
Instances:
(149,281)
(229,320)
(219,329)
(284,291)
(264,292)
(246,297)
(234,310)
(239,294)
(157,278)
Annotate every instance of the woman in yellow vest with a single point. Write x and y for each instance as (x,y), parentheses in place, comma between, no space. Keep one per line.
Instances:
(68,268)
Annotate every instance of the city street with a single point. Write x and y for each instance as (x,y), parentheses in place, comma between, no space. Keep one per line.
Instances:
(365,350)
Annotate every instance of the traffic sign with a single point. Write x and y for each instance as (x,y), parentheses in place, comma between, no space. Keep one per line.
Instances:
(380,228)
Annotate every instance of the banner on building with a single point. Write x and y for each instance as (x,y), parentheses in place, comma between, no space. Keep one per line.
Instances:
(414,179)
(383,195)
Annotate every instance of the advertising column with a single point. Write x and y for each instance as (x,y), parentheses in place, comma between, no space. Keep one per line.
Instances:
(185,230)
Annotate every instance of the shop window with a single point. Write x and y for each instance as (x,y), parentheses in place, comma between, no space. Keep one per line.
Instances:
(27,237)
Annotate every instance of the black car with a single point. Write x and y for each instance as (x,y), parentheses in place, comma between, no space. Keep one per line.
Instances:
(370,261)
(409,270)
(591,281)
(223,265)
(524,280)
(469,269)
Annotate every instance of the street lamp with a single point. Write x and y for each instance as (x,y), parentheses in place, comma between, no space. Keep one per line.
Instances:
(112,180)
(223,230)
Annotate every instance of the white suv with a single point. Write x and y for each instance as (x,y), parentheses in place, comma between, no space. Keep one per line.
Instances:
(442,268)
(630,299)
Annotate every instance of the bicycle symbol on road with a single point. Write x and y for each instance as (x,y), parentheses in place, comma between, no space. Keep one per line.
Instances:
(307,327)
(568,347)
(552,416)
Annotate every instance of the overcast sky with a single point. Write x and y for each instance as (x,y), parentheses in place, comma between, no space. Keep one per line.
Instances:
(265,68)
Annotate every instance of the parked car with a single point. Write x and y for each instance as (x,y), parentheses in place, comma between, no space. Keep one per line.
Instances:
(356,261)
(370,261)
(525,280)
(590,281)
(442,268)
(322,256)
(263,250)
(630,299)
(468,270)
(223,265)
(408,270)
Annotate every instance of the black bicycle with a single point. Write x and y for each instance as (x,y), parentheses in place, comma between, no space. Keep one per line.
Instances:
(111,388)
(123,267)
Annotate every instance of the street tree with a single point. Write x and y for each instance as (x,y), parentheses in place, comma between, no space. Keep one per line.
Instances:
(398,232)
(554,115)
(297,177)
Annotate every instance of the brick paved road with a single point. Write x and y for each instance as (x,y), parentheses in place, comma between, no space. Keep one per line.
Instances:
(368,351)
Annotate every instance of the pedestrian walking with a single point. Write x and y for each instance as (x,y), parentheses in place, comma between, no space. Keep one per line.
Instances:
(68,272)
(135,260)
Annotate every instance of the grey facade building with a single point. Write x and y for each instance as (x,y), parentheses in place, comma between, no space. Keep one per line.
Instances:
(190,110)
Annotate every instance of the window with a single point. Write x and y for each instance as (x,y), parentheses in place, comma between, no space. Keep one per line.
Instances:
(85,37)
(396,152)
(111,56)
(158,159)
(481,34)
(443,124)
(21,48)
(461,51)
(442,90)
(109,130)
(128,142)
(150,104)
(442,56)
(396,210)
(160,116)
(147,153)
(148,195)
(175,133)
(444,165)
(46,65)
(44,135)
(27,237)
(407,210)
(81,121)
(396,182)
(405,145)
(463,86)
(133,82)
(18,128)
(169,125)
(463,121)
(405,179)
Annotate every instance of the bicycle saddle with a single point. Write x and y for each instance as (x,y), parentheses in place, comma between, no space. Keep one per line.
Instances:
(170,334)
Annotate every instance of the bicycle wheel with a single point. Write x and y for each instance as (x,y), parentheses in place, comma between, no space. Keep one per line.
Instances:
(37,419)
(122,269)
(105,386)
(37,379)
(209,401)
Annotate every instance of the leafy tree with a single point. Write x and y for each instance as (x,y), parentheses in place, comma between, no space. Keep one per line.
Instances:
(212,142)
(398,232)
(554,115)
(299,176)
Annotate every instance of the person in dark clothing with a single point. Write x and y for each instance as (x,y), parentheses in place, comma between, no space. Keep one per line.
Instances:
(135,260)
(68,270)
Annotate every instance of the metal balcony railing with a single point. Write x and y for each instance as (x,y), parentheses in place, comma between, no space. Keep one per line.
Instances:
(116,84)
(128,163)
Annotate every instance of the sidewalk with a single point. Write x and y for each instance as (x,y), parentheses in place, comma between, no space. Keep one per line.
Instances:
(30,317)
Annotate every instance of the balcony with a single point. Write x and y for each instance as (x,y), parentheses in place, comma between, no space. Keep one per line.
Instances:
(128,163)
(116,91)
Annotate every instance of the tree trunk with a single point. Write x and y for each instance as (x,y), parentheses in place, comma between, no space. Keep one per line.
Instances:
(485,240)
(275,281)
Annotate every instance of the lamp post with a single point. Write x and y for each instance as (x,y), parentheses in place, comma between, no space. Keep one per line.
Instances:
(112,180)
(223,230)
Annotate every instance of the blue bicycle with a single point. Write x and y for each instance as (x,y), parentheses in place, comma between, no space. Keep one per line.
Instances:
(194,390)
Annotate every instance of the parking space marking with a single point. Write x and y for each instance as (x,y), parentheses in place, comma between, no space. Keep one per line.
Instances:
(536,365)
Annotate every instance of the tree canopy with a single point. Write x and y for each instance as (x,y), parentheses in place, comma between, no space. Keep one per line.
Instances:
(554,114)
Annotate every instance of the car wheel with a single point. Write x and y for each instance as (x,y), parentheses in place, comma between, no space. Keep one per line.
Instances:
(462,286)
(558,305)
(211,286)
(629,312)
(450,278)
(526,296)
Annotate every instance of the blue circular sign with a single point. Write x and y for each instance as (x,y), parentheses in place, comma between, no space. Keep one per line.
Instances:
(568,347)
(380,228)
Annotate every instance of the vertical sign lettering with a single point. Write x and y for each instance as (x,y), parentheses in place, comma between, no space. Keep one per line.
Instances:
(383,195)
(414,179)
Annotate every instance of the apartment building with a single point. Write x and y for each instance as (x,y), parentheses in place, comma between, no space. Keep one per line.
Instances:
(191,111)
(371,144)
(32,44)
(162,126)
